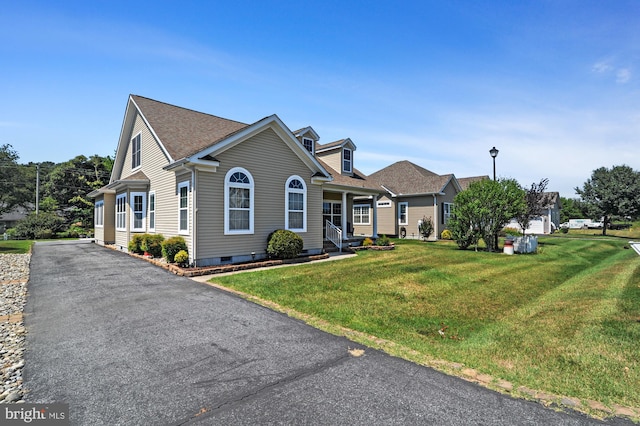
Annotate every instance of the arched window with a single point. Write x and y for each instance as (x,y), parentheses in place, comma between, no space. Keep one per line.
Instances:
(238,202)
(295,204)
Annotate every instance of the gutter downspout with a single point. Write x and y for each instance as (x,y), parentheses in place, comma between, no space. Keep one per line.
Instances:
(194,213)
(436,224)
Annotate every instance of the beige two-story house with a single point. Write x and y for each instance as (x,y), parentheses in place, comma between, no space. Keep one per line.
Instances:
(225,185)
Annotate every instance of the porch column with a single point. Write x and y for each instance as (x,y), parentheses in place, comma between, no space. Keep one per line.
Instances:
(344,216)
(375,216)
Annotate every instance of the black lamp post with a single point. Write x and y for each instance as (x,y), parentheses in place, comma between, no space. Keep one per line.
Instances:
(494,153)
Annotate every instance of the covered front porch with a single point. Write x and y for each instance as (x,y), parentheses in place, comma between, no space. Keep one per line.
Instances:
(349,216)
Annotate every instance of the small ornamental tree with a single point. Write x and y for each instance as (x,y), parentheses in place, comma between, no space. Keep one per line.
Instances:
(426,227)
(535,200)
(483,209)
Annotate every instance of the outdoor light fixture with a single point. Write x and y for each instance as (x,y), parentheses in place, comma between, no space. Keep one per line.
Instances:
(494,153)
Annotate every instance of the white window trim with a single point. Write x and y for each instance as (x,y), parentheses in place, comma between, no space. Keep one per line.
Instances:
(139,135)
(186,208)
(313,143)
(152,212)
(350,169)
(406,213)
(123,213)
(250,186)
(353,215)
(99,214)
(447,212)
(143,227)
(302,191)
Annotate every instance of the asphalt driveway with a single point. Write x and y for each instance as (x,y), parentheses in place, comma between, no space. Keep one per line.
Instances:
(124,342)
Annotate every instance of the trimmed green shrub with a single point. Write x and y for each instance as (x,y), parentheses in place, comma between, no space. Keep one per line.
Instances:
(181,257)
(42,225)
(171,247)
(284,244)
(383,241)
(135,244)
(152,244)
(512,232)
(367,242)
(44,234)
(446,235)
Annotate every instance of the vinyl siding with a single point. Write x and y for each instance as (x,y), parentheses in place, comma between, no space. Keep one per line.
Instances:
(450,194)
(362,230)
(387,218)
(270,162)
(333,159)
(164,183)
(419,207)
(106,233)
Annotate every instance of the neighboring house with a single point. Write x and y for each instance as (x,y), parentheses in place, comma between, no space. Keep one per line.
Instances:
(12,217)
(413,193)
(548,220)
(225,186)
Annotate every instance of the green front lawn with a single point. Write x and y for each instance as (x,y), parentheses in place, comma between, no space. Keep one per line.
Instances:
(15,246)
(564,321)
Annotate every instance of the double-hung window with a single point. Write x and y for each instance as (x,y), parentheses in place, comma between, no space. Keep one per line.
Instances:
(152,211)
(446,212)
(308,144)
(361,215)
(121,212)
(98,214)
(296,204)
(183,208)
(347,160)
(135,151)
(138,207)
(238,202)
(403,213)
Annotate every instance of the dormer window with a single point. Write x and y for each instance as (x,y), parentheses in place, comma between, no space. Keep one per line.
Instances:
(308,144)
(347,160)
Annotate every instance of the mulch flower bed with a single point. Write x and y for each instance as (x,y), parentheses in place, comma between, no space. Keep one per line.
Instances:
(219,269)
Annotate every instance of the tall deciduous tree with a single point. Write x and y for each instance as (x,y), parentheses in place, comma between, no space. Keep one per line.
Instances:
(535,200)
(69,183)
(13,191)
(483,209)
(612,193)
(572,209)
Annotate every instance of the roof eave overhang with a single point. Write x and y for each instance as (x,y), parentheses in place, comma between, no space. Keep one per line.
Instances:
(128,184)
(97,192)
(193,163)
(352,189)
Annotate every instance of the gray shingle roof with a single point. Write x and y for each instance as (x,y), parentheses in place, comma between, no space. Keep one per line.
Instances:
(466,181)
(358,180)
(404,177)
(184,132)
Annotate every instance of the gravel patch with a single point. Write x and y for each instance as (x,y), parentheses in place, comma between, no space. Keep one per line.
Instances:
(14,274)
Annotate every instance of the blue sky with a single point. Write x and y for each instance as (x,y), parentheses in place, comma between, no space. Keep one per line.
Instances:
(554,85)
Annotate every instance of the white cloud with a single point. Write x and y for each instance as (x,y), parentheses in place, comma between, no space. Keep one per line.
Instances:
(601,67)
(623,75)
